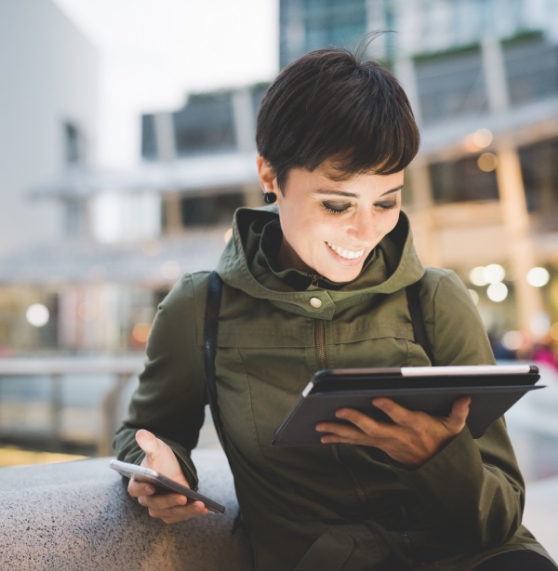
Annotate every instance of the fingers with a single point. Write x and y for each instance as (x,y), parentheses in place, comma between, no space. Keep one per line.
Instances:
(180,513)
(397,413)
(137,489)
(163,502)
(459,413)
(339,433)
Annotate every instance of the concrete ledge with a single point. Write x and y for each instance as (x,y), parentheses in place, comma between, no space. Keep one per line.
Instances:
(77,515)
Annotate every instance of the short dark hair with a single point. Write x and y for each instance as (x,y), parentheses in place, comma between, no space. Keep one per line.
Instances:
(329,104)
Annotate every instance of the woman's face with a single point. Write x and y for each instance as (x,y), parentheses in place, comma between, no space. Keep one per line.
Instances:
(330,227)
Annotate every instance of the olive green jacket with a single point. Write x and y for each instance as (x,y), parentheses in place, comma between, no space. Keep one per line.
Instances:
(327,508)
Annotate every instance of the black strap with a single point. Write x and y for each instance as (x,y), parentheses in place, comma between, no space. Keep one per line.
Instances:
(212,306)
(417,318)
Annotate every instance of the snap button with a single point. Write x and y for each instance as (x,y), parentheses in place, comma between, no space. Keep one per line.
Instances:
(316,302)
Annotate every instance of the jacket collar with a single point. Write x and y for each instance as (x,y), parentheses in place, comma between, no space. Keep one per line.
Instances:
(393,265)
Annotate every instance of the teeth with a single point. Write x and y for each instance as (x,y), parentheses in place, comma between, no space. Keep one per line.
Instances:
(347,254)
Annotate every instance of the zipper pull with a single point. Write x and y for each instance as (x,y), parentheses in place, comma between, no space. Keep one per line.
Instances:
(315,279)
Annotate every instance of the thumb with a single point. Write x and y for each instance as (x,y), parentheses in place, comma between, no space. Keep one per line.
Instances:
(148,443)
(459,412)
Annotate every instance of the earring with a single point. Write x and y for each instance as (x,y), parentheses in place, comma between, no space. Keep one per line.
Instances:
(270,197)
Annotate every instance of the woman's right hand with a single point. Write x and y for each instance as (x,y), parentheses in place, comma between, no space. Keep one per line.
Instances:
(171,508)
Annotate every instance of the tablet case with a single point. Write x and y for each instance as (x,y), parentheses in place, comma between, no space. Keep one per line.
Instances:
(488,403)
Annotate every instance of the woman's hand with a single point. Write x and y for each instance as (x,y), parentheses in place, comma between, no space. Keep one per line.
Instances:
(412,440)
(171,508)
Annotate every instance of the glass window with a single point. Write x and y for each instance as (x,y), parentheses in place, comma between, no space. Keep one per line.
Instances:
(539,165)
(531,69)
(205,210)
(148,137)
(462,181)
(206,123)
(451,85)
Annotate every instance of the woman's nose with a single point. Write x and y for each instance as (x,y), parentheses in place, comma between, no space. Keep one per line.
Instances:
(363,229)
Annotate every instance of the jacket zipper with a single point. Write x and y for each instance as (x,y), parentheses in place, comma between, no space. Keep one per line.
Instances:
(319,330)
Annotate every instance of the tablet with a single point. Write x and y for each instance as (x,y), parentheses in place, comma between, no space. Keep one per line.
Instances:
(493,390)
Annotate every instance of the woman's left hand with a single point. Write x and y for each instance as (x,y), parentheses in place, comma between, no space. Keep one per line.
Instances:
(412,440)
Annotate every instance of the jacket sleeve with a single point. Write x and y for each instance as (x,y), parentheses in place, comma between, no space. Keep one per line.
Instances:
(472,490)
(171,396)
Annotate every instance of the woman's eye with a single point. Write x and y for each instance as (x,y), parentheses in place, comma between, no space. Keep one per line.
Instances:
(335,207)
(386,205)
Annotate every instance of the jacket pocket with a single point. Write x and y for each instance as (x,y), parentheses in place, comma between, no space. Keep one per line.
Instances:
(328,553)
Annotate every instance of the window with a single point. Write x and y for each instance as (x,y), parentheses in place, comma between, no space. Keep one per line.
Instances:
(462,181)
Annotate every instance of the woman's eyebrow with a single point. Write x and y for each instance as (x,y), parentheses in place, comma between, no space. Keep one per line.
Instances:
(392,190)
(352,194)
(338,193)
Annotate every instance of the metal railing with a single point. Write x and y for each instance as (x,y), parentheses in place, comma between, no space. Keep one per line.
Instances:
(122,368)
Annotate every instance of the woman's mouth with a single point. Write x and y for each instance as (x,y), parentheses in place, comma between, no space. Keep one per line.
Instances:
(349,255)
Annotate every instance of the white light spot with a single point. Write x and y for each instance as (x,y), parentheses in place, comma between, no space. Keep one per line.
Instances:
(540,324)
(494,273)
(227,235)
(37,315)
(497,292)
(482,138)
(474,295)
(170,270)
(512,340)
(538,277)
(477,276)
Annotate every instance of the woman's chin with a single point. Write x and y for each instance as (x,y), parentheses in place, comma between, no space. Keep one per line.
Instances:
(342,274)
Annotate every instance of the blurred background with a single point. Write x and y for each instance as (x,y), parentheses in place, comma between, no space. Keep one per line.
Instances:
(127,142)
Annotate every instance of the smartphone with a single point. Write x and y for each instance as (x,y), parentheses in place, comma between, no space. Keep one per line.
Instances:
(163,484)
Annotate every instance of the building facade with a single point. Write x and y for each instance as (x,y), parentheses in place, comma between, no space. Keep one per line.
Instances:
(482,77)
(48,108)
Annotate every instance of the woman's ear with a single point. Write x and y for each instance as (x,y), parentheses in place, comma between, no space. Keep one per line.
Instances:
(266,174)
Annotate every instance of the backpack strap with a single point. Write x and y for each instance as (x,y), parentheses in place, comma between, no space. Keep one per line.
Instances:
(417,317)
(211,324)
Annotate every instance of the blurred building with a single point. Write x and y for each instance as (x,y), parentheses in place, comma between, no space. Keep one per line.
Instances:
(146,226)
(482,76)
(48,103)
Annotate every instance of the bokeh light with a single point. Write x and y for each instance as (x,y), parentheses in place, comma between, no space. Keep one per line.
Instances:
(538,277)
(487,162)
(540,324)
(512,340)
(482,138)
(37,315)
(140,332)
(170,270)
(474,295)
(227,235)
(494,273)
(477,276)
(497,292)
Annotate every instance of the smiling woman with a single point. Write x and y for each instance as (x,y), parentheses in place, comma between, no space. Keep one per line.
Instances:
(330,227)
(321,279)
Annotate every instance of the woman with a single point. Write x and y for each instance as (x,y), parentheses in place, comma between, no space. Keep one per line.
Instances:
(317,281)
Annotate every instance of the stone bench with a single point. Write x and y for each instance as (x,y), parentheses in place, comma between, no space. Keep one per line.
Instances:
(78,516)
